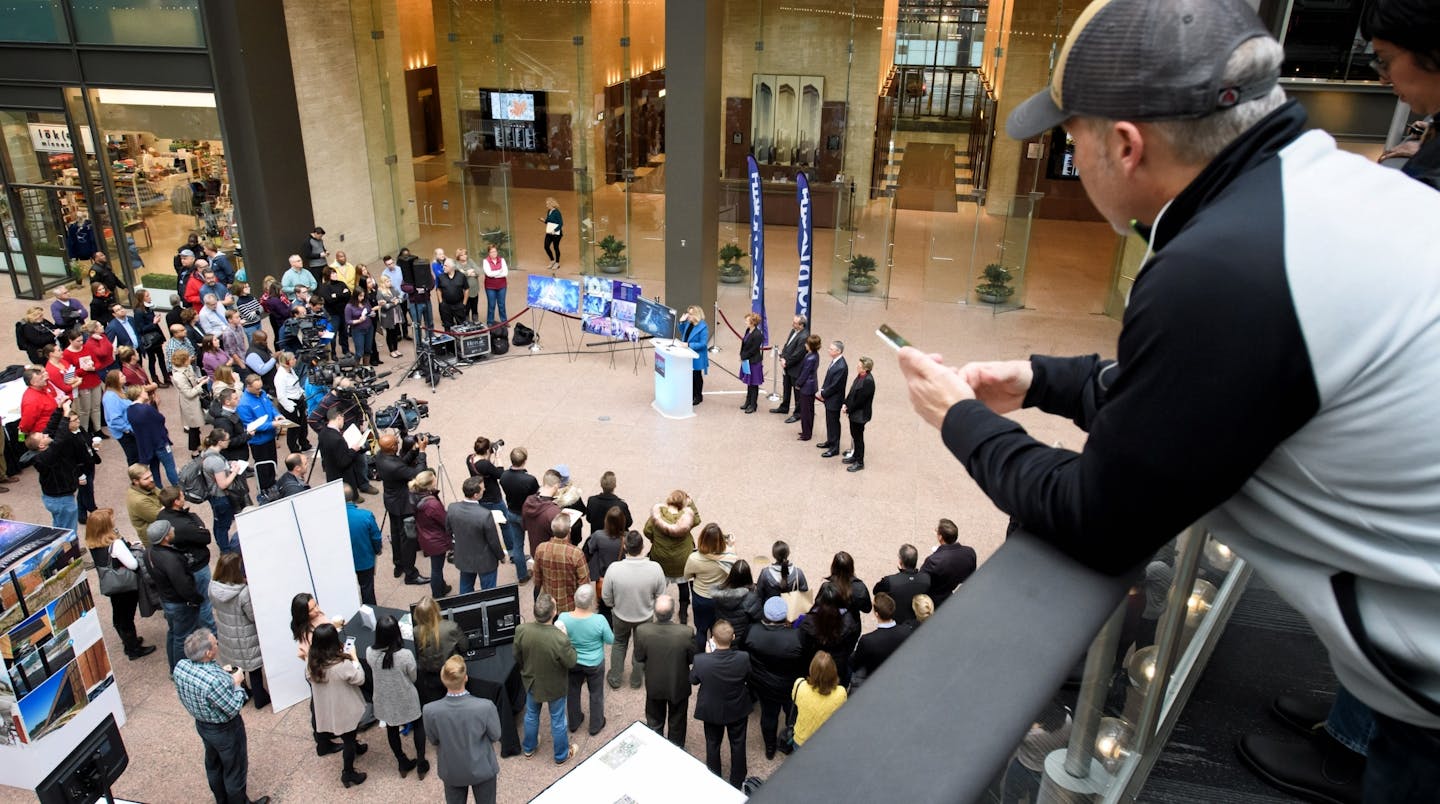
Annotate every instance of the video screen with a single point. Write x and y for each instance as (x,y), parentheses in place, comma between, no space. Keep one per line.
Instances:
(610,308)
(493,614)
(507,120)
(512,106)
(654,318)
(553,293)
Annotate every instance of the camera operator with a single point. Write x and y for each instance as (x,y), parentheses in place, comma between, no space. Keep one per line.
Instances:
(481,465)
(397,465)
(341,397)
(289,339)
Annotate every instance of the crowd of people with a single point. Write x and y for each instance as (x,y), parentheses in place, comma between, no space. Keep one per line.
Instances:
(757,635)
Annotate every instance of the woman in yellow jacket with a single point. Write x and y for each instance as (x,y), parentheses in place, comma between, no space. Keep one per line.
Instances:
(816,696)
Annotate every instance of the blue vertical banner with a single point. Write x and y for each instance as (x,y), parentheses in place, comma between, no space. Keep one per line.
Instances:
(806,245)
(757,250)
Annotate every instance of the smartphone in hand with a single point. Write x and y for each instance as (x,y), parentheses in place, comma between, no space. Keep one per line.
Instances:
(892,338)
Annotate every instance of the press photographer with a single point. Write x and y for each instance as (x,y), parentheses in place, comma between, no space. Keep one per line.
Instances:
(397,464)
(481,464)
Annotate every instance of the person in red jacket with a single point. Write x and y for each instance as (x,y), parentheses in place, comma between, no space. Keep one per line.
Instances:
(81,357)
(38,401)
(192,294)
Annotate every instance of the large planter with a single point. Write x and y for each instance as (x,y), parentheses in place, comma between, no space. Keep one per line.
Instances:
(612,268)
(991,298)
(859,287)
(735,278)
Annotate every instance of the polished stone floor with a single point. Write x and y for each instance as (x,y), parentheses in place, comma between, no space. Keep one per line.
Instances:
(590,408)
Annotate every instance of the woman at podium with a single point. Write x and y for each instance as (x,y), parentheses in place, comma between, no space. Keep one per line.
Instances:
(697,336)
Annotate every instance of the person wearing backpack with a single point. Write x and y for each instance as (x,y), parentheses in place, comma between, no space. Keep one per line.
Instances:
(217,474)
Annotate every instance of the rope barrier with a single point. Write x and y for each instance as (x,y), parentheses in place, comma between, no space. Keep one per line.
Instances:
(733,331)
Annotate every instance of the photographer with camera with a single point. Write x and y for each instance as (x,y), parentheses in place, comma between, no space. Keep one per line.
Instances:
(397,467)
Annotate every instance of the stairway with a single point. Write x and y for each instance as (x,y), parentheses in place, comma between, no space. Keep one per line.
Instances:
(928,198)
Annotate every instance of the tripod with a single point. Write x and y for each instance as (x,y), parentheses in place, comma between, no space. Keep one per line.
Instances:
(428,365)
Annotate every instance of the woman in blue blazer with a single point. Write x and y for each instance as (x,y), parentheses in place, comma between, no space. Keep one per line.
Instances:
(697,336)
(806,386)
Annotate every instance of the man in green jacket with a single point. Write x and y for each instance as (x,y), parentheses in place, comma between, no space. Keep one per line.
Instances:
(545,656)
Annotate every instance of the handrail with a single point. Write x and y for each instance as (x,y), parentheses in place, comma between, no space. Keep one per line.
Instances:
(942,716)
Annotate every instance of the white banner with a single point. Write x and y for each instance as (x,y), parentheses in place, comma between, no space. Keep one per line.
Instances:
(298,544)
(54,138)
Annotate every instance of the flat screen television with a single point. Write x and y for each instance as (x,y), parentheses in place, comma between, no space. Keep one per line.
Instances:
(488,617)
(610,308)
(513,120)
(654,318)
(553,293)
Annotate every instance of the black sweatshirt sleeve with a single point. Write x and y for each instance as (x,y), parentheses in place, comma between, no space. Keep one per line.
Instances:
(1213,374)
(1073,387)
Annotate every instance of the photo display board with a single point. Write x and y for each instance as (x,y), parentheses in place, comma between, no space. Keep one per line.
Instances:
(609,308)
(553,293)
(56,681)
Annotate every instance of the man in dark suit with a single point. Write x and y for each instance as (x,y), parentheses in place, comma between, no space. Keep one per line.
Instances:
(397,468)
(339,460)
(904,585)
(464,729)
(951,563)
(477,541)
(723,703)
(832,394)
(665,648)
(123,330)
(790,356)
(875,647)
(857,407)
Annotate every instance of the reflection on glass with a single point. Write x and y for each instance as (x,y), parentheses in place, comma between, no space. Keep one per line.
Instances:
(42,219)
(174,23)
(33,21)
(38,149)
(1113,741)
(1218,555)
(1322,41)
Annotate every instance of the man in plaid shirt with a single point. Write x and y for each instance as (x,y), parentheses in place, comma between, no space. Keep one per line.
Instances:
(560,567)
(214,698)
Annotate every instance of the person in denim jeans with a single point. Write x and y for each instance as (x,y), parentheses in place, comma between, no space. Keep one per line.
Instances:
(545,656)
(219,477)
(184,592)
(51,453)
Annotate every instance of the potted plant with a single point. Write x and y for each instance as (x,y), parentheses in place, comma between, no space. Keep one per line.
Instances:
(731,271)
(160,285)
(861,277)
(611,261)
(500,240)
(996,287)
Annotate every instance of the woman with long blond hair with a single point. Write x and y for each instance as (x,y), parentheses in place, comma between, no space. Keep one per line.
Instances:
(554,230)
(112,554)
(435,641)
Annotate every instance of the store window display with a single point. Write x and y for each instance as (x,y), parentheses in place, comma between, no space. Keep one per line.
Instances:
(166,161)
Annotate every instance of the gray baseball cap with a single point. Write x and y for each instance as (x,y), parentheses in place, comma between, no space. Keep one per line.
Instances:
(1143,60)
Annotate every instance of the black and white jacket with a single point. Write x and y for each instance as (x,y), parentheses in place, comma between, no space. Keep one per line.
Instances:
(1277,377)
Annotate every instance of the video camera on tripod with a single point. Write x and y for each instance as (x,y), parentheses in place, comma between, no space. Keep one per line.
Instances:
(404,416)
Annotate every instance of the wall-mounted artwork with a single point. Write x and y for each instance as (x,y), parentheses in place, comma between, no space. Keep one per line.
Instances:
(785,118)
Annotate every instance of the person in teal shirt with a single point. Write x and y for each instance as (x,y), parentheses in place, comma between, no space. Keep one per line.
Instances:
(365,543)
(589,633)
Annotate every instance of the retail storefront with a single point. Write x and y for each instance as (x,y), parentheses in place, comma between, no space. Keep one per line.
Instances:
(111,135)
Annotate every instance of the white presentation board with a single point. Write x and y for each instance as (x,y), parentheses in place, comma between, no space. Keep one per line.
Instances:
(298,544)
(639,765)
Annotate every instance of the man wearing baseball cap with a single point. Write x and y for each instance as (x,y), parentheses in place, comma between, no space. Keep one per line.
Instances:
(1255,390)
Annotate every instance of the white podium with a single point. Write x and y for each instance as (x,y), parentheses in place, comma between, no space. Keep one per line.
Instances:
(673,383)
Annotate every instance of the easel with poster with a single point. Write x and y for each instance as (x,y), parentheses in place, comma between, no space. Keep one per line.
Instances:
(56,682)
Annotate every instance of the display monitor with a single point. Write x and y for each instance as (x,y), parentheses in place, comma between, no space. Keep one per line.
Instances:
(487,617)
(553,293)
(508,120)
(654,318)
